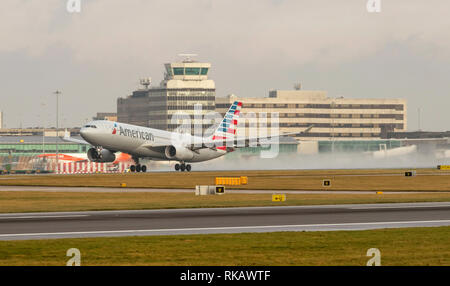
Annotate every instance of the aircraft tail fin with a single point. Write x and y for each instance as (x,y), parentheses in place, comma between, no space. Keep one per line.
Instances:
(228,126)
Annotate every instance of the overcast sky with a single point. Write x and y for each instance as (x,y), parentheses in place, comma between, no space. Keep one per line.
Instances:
(100,54)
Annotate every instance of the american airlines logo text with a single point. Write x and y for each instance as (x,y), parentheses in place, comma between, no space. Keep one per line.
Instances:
(136,134)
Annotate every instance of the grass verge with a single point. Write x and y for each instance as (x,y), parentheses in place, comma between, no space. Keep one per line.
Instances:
(406,246)
(11,202)
(341,180)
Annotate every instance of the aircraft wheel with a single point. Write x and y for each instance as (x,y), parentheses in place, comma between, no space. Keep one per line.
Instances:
(143,168)
(138,168)
(133,168)
(188,167)
(177,167)
(182,167)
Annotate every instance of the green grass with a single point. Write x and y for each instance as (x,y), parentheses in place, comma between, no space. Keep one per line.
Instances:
(407,246)
(341,180)
(84,201)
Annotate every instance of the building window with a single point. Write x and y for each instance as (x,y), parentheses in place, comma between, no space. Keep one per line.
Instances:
(192,71)
(204,71)
(178,71)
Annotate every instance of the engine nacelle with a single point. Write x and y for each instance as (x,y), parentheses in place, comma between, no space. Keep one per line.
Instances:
(179,153)
(104,156)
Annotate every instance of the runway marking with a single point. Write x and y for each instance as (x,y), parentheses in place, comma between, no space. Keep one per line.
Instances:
(42,216)
(398,207)
(221,228)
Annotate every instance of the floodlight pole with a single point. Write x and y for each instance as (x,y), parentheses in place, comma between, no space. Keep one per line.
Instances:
(57,93)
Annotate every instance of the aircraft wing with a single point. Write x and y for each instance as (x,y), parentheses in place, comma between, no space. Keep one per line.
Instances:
(251,141)
(234,143)
(161,143)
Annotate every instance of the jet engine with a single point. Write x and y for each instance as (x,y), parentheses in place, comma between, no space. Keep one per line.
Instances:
(101,156)
(178,153)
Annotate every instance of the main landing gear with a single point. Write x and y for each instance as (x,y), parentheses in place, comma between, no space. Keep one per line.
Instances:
(182,167)
(138,167)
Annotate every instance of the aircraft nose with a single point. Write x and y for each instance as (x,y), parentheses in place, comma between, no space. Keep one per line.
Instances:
(85,132)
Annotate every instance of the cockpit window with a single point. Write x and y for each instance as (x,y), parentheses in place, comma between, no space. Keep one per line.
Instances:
(90,126)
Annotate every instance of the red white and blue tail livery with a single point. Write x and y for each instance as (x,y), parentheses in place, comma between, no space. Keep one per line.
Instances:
(228,126)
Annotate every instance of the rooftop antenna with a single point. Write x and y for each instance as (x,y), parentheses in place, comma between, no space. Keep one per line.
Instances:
(418,118)
(146,82)
(187,57)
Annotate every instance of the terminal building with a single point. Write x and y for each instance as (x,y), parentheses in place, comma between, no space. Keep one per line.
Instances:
(185,88)
(111,116)
(332,118)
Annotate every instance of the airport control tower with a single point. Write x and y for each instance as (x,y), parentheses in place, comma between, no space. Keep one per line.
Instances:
(185,88)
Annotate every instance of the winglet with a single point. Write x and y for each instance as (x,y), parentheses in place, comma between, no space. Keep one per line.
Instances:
(308,129)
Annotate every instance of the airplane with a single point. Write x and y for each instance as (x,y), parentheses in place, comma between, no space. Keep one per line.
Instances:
(108,137)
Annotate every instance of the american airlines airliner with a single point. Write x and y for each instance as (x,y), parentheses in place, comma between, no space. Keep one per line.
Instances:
(108,137)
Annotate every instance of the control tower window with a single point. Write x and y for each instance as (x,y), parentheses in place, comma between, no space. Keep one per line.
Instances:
(169,71)
(204,71)
(178,71)
(192,71)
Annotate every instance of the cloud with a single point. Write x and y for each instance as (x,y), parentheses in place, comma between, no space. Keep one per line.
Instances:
(26,25)
(99,54)
(298,32)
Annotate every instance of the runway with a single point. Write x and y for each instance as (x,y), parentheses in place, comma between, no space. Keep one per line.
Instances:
(177,190)
(22,226)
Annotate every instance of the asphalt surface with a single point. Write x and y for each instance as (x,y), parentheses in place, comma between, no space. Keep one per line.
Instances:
(151,190)
(22,226)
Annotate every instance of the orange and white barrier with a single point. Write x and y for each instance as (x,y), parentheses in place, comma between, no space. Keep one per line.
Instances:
(88,168)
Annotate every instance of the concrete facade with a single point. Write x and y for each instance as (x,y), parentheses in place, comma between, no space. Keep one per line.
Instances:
(332,118)
(111,116)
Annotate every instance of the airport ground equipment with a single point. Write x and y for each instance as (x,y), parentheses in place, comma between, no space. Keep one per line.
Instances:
(209,190)
(232,181)
(443,167)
